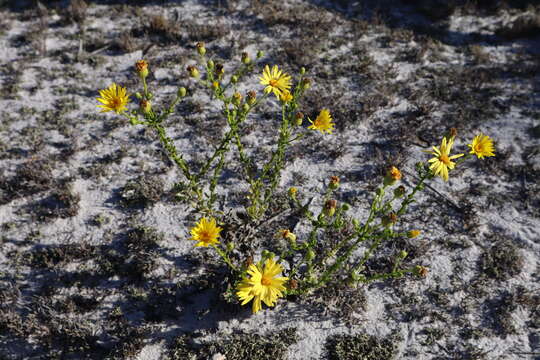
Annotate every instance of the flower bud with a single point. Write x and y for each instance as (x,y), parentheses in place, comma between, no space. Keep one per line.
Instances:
(230,246)
(356,223)
(193,72)
(330,207)
(292,192)
(306,83)
(411,234)
(334,182)
(210,64)
(286,96)
(299,117)
(260,54)
(237,98)
(302,70)
(181,92)
(141,67)
(149,96)
(245,58)
(403,254)
(399,191)
(219,70)
(201,49)
(420,270)
(288,235)
(234,79)
(392,175)
(293,284)
(251,97)
(310,255)
(345,207)
(245,108)
(145,106)
(389,219)
(138,95)
(453,132)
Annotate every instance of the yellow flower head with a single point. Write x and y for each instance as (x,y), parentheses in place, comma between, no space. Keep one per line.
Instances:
(323,122)
(413,233)
(442,160)
(114,98)
(481,146)
(205,232)
(394,173)
(262,284)
(275,80)
(286,96)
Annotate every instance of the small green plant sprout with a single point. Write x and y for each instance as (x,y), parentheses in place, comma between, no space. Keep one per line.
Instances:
(337,246)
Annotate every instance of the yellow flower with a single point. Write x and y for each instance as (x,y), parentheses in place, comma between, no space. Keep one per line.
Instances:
(286,96)
(205,232)
(442,160)
(261,284)
(411,234)
(114,98)
(323,122)
(481,146)
(275,81)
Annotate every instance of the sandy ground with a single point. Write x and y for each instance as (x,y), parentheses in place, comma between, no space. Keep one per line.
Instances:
(95,260)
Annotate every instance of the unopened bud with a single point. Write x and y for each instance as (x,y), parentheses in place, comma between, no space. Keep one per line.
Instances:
(182,92)
(260,54)
(345,207)
(306,83)
(288,235)
(292,192)
(330,207)
(334,182)
(245,58)
(219,70)
(193,72)
(138,95)
(302,70)
(299,118)
(145,106)
(310,255)
(399,191)
(234,79)
(141,67)
(210,64)
(389,219)
(237,98)
(201,49)
(230,246)
(403,254)
(251,97)
(420,270)
(245,108)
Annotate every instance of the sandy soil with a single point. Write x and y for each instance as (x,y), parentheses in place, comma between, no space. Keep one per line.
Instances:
(95,260)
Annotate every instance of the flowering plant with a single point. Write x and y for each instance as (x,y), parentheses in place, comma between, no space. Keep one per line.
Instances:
(310,263)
